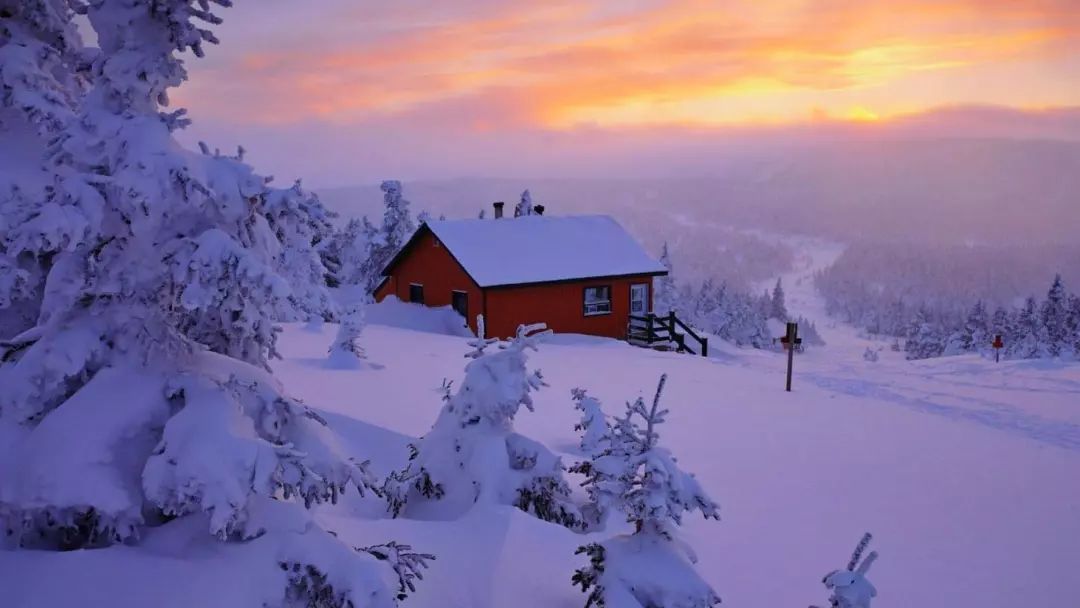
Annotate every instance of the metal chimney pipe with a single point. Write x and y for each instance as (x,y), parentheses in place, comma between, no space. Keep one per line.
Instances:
(498,209)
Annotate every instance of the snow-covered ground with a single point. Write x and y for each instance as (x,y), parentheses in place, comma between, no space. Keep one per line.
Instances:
(966,471)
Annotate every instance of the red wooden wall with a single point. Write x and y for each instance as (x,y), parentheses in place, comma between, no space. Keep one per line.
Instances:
(432,266)
(561,307)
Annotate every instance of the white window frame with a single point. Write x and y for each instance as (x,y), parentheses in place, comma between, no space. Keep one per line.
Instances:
(596,307)
(645,303)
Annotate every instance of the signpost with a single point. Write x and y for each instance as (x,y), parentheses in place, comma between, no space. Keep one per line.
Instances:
(998,345)
(791,341)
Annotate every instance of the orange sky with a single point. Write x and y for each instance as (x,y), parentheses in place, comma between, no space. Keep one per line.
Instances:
(565,64)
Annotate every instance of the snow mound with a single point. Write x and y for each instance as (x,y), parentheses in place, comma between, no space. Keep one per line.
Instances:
(406,315)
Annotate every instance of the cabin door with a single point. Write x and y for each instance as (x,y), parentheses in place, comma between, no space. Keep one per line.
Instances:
(460,301)
(639,299)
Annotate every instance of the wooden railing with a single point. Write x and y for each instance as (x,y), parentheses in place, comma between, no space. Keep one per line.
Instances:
(653,330)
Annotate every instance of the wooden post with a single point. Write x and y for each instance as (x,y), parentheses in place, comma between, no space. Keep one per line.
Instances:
(648,329)
(791,340)
(704,347)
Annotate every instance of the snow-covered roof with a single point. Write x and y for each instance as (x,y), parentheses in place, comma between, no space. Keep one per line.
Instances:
(539,249)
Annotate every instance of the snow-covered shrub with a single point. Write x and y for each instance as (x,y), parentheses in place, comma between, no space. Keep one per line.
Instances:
(870,355)
(524,206)
(346,352)
(634,476)
(593,425)
(140,395)
(472,454)
(849,587)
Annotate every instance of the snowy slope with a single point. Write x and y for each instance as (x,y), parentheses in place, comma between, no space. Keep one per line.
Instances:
(966,471)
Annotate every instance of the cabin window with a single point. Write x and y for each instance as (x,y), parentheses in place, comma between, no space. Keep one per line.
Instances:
(598,300)
(460,301)
(416,293)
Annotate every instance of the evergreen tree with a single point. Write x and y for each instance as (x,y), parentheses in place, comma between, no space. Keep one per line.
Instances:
(634,476)
(156,323)
(472,454)
(41,82)
(524,206)
(924,339)
(778,309)
(384,243)
(593,425)
(974,335)
(346,352)
(1030,340)
(1054,315)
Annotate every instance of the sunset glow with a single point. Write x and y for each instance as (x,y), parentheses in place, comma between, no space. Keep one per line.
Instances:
(683,62)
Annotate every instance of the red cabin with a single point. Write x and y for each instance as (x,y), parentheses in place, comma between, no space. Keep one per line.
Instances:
(577,274)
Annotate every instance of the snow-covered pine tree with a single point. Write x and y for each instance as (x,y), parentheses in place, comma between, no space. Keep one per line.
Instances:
(351,247)
(777,307)
(1003,323)
(1030,338)
(849,587)
(666,297)
(346,352)
(1072,324)
(924,339)
(302,226)
(593,425)
(1054,315)
(524,206)
(634,476)
(140,394)
(397,227)
(473,456)
(973,335)
(41,82)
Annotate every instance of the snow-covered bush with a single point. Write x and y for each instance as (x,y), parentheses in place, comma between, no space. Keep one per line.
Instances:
(870,355)
(140,394)
(525,205)
(634,476)
(849,587)
(472,454)
(345,351)
(593,425)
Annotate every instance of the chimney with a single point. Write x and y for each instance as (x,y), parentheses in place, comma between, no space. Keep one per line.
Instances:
(498,209)
(538,209)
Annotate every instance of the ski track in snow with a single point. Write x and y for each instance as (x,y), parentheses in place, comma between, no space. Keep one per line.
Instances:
(913,388)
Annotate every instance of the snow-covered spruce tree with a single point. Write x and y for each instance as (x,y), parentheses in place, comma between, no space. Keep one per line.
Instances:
(397,227)
(346,352)
(924,339)
(593,425)
(41,82)
(777,306)
(472,454)
(302,226)
(974,335)
(351,248)
(524,206)
(849,587)
(1030,338)
(1054,315)
(666,297)
(633,475)
(140,394)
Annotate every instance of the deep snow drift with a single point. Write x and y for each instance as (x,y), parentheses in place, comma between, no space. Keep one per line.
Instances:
(965,471)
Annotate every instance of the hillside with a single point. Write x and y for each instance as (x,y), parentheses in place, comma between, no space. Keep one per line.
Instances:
(903,450)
